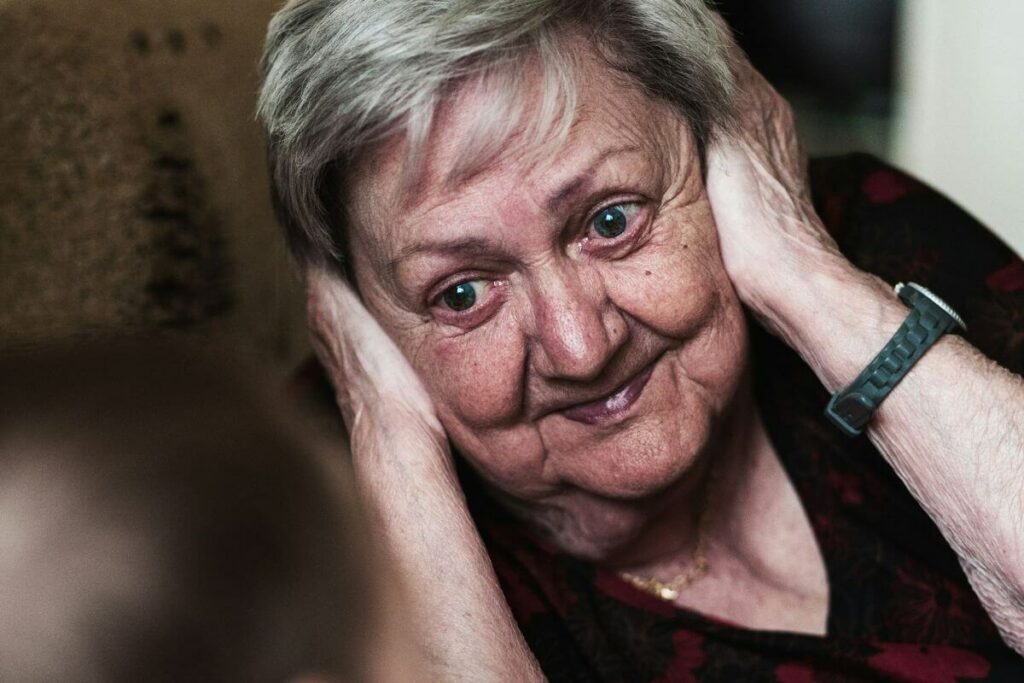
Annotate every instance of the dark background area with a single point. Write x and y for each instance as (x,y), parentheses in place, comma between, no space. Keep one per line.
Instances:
(832,59)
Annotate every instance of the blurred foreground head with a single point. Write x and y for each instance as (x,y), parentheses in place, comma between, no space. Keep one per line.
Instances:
(162,517)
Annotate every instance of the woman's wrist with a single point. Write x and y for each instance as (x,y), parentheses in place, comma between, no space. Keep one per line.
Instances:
(836,317)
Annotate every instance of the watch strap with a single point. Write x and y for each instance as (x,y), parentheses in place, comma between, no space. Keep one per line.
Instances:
(852,408)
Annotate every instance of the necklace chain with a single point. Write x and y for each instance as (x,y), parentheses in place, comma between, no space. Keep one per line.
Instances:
(699,566)
(670,590)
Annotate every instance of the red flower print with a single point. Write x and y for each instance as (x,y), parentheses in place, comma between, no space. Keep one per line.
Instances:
(689,657)
(928,663)
(794,673)
(886,185)
(847,486)
(1008,279)
(803,673)
(934,609)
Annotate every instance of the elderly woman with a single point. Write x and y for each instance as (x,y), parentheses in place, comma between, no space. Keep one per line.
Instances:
(532,232)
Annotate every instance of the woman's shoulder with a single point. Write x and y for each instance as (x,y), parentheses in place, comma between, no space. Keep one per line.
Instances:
(893,225)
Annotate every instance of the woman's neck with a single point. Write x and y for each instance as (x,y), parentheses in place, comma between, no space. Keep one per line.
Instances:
(753,524)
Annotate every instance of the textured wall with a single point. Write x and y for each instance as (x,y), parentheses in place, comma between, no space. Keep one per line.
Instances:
(133,191)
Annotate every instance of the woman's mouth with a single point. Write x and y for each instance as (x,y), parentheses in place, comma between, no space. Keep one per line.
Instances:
(611,407)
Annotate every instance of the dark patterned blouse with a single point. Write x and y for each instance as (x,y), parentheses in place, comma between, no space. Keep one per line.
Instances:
(900,607)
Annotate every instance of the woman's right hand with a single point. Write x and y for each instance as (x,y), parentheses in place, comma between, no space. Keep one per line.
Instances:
(417,512)
(384,404)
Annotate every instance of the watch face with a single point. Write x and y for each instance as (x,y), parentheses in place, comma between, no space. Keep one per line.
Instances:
(931,296)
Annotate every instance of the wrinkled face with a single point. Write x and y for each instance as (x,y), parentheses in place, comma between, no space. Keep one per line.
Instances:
(571,318)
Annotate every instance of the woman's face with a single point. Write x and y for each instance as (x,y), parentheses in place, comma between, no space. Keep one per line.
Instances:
(571,319)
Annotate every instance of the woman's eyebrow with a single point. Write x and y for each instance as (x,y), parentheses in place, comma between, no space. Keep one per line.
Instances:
(575,186)
(566,192)
(461,246)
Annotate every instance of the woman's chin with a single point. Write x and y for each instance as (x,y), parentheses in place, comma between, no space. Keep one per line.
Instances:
(641,462)
(646,452)
(596,527)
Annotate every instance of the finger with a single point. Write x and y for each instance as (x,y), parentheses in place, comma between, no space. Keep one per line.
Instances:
(366,365)
(330,299)
(336,312)
(730,182)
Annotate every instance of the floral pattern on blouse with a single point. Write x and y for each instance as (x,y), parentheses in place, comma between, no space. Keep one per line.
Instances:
(900,606)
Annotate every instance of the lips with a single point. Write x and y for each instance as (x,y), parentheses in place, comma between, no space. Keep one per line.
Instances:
(613,405)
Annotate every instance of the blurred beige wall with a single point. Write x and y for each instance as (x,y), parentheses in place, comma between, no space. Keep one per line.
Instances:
(960,105)
(133,186)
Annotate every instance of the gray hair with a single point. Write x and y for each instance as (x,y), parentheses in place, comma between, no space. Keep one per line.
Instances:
(342,75)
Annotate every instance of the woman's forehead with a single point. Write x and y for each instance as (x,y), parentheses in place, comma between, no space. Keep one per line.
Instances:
(611,120)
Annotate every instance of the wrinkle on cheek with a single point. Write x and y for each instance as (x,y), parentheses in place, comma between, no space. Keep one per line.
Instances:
(479,374)
(515,459)
(717,358)
(419,353)
(672,294)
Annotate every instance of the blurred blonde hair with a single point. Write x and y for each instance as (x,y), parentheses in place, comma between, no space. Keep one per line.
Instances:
(164,516)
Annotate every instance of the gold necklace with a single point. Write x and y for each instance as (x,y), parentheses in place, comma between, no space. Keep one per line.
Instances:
(670,590)
(698,569)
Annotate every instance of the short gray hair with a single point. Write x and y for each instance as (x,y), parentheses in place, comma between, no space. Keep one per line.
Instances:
(342,75)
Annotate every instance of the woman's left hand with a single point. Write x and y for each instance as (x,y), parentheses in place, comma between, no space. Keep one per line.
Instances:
(953,429)
(771,239)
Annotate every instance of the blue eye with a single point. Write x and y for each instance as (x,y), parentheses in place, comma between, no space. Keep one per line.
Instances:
(613,221)
(461,297)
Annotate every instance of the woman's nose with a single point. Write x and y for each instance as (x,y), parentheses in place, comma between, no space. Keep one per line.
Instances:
(577,329)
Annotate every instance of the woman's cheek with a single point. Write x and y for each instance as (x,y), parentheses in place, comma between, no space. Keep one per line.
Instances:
(477,376)
(665,286)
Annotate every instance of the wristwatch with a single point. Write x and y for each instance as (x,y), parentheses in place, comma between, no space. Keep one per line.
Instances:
(930,317)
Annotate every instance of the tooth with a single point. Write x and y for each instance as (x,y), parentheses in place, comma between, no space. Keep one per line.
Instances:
(617,401)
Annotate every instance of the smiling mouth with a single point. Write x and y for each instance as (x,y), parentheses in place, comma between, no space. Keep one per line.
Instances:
(613,405)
